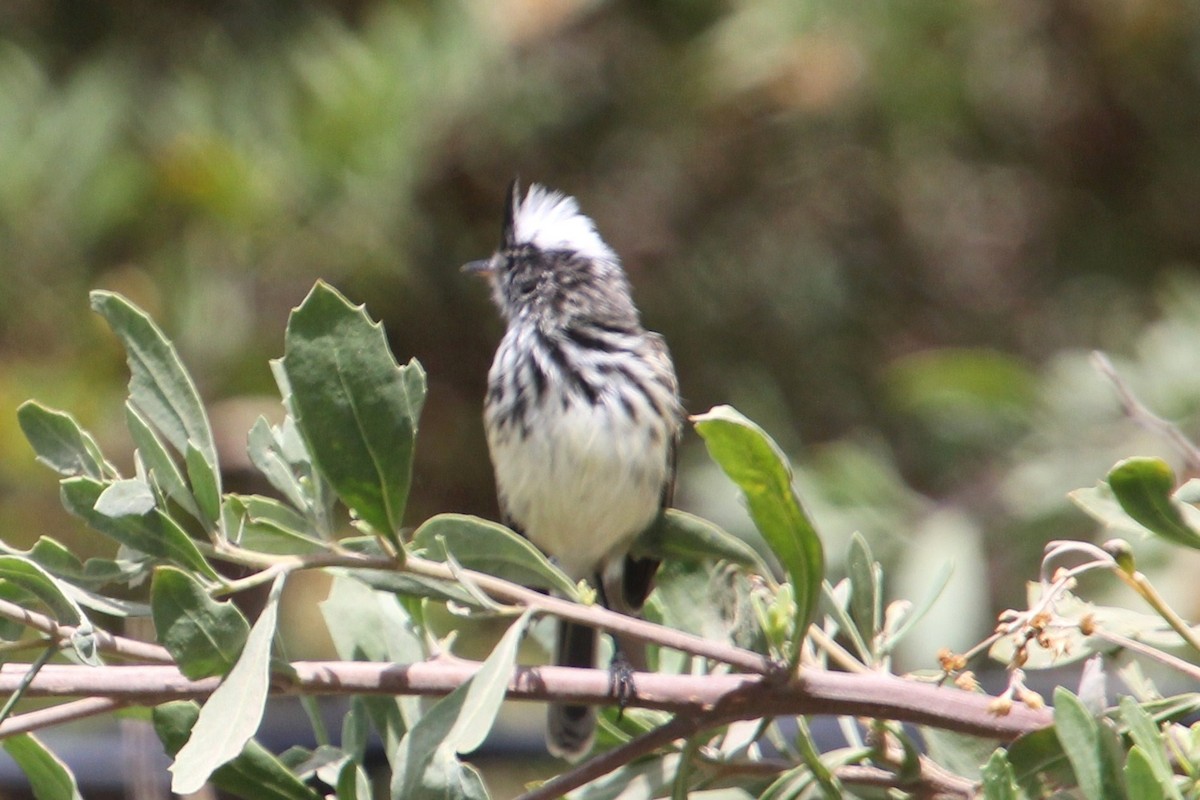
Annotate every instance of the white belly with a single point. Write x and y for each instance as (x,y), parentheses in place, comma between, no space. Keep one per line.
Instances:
(583,484)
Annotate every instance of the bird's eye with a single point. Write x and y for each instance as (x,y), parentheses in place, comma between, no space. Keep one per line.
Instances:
(525,285)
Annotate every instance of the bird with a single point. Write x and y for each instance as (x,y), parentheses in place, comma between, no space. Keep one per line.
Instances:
(582,416)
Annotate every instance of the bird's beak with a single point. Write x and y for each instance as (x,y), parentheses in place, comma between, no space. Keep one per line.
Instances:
(484,267)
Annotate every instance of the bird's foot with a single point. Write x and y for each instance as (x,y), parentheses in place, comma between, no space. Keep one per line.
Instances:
(620,681)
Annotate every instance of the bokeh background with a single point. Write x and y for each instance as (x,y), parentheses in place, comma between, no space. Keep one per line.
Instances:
(889,232)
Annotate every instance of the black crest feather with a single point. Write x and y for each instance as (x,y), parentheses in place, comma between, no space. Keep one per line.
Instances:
(511,203)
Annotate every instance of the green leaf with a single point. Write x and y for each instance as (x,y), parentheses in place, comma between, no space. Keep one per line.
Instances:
(409,585)
(356,408)
(32,578)
(866,592)
(233,712)
(427,764)
(1143,487)
(356,730)
(1085,745)
(826,780)
(754,462)
(1038,757)
(204,636)
(158,462)
(907,620)
(255,774)
(353,783)
(680,536)
(62,563)
(266,453)
(487,689)
(1101,504)
(1148,738)
(491,548)
(125,498)
(1140,778)
(206,483)
(49,778)
(366,625)
(159,385)
(998,780)
(154,534)
(266,525)
(961,754)
(60,443)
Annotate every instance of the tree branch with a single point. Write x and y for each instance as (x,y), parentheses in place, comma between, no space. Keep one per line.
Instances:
(731,697)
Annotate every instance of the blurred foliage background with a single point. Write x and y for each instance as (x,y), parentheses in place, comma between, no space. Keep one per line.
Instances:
(889,232)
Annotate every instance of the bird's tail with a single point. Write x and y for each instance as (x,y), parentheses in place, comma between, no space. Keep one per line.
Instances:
(570,729)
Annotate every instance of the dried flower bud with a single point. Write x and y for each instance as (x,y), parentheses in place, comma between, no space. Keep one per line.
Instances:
(1032,699)
(1020,656)
(951,661)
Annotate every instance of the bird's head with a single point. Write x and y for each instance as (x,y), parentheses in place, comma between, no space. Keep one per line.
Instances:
(552,267)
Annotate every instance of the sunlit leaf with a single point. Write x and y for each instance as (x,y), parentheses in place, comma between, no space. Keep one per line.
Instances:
(1143,487)
(1140,779)
(266,525)
(254,774)
(1086,747)
(1148,738)
(356,408)
(130,497)
(60,443)
(163,469)
(427,763)
(866,589)
(203,636)
(266,453)
(49,777)
(754,462)
(998,780)
(206,483)
(154,534)
(159,385)
(492,548)
(232,713)
(39,583)
(680,536)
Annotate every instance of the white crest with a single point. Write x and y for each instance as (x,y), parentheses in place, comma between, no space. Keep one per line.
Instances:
(550,220)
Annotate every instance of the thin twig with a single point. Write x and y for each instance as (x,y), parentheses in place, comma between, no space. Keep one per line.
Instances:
(596,767)
(1153,653)
(1138,413)
(19,690)
(1138,582)
(928,785)
(105,641)
(599,617)
(57,715)
(838,654)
